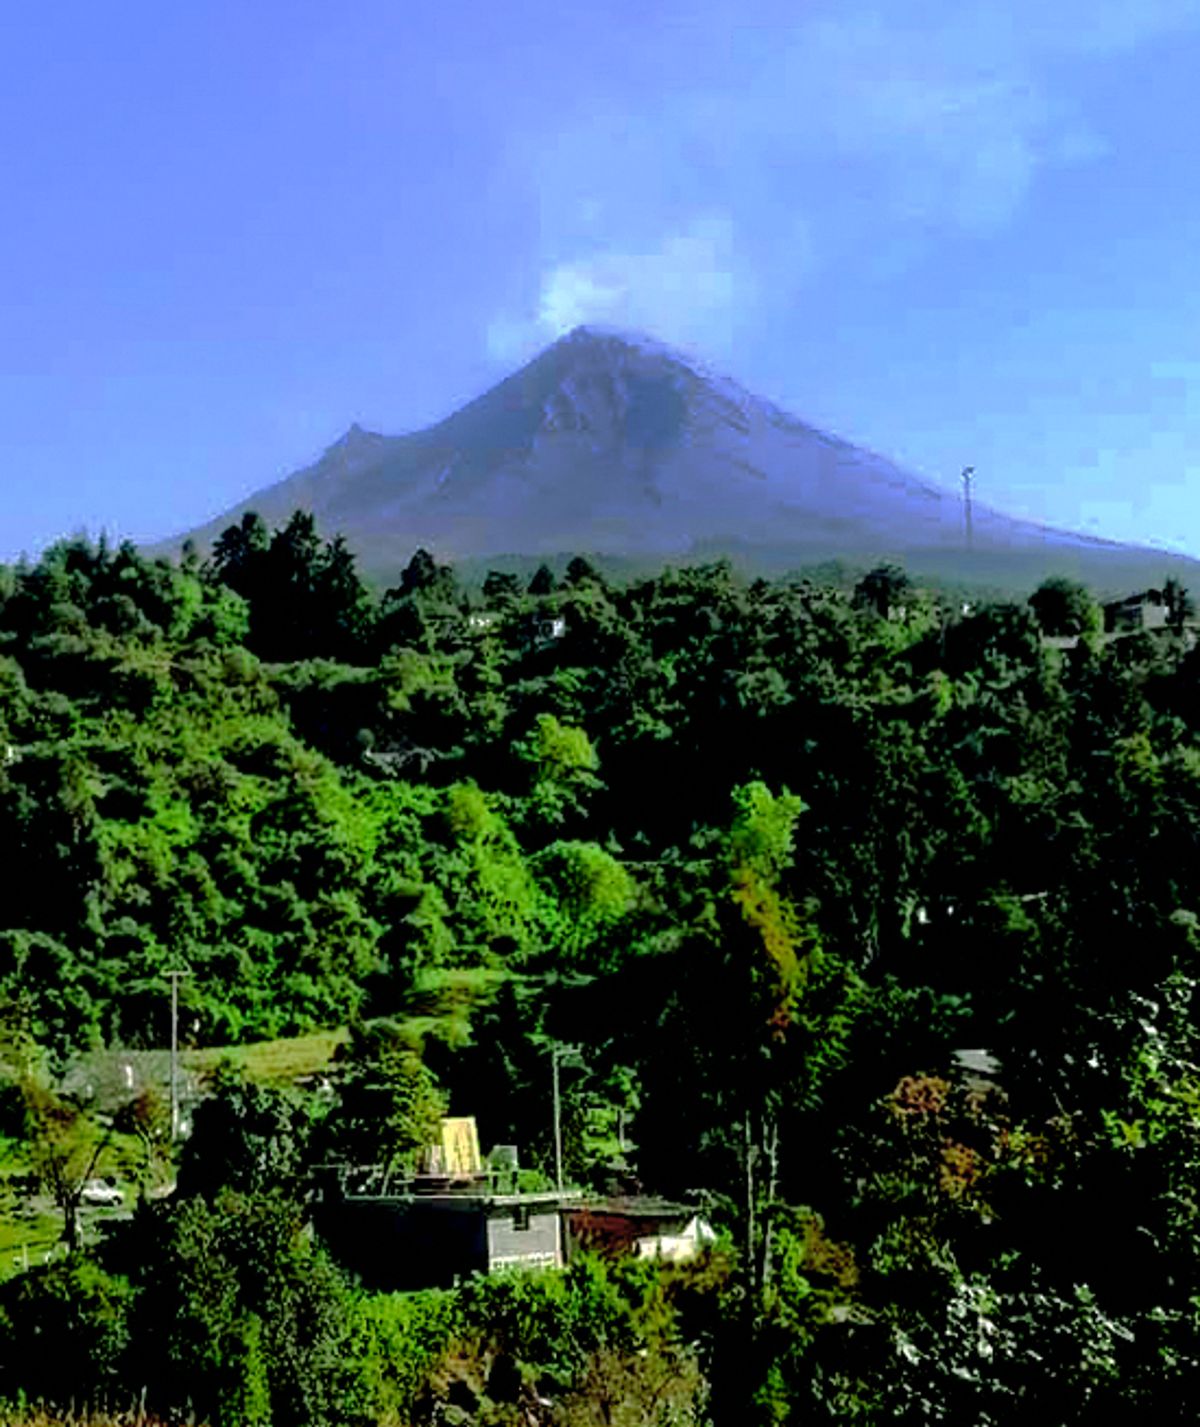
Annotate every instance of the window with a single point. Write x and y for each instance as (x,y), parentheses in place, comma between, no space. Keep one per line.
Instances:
(521,1216)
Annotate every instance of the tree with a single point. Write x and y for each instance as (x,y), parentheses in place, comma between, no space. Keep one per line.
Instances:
(65,1332)
(148,1117)
(286,617)
(654,1387)
(245,1138)
(543,582)
(343,605)
(562,765)
(239,1318)
(881,589)
(424,576)
(305,596)
(388,1107)
(65,1147)
(591,895)
(423,608)
(1064,607)
(582,572)
(501,1075)
(501,589)
(1180,605)
(238,555)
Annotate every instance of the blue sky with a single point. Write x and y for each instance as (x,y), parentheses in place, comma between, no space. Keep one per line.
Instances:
(957,233)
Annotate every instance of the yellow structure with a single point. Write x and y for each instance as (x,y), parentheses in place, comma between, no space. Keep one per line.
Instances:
(458,1153)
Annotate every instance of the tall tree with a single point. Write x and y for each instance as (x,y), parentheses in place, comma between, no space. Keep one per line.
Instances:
(1065,607)
(542,582)
(1180,606)
(882,589)
(388,1106)
(238,555)
(245,1138)
(500,589)
(65,1148)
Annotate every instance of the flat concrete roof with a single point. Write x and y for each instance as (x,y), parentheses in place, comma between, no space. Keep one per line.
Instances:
(464,1201)
(634,1208)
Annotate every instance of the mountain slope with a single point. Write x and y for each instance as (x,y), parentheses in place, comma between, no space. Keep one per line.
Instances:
(610,443)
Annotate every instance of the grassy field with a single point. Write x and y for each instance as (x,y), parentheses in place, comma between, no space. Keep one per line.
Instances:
(441,1002)
(31,1233)
(26,1238)
(40,1416)
(31,1227)
(271,1062)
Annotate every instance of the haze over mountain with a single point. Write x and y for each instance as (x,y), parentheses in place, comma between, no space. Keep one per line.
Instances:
(610,443)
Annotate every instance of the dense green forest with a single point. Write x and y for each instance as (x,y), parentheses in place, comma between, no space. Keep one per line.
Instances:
(769,856)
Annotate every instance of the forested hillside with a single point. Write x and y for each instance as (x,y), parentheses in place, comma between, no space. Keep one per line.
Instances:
(769,855)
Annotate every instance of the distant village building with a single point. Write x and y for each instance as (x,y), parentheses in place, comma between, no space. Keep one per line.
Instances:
(1146,610)
(108,1080)
(401,760)
(541,630)
(981,1067)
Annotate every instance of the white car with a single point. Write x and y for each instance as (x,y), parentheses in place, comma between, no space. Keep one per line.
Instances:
(95,1191)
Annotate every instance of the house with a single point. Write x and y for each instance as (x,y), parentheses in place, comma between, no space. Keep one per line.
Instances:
(977,1062)
(541,630)
(459,1215)
(442,1223)
(108,1080)
(401,759)
(415,1240)
(1146,610)
(695,1236)
(639,1225)
(979,1068)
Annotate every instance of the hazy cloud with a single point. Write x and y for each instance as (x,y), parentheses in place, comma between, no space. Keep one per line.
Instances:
(855,128)
(688,289)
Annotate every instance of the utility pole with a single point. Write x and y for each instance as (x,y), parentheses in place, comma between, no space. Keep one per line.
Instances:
(173,977)
(968,475)
(558,1170)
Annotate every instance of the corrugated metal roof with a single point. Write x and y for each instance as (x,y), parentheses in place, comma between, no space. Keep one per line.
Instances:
(980,1062)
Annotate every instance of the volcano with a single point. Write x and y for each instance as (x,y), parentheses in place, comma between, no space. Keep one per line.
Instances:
(612,444)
